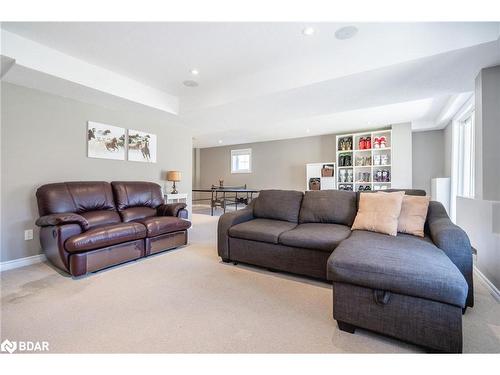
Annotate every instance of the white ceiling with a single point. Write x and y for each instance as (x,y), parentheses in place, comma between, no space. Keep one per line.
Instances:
(261,81)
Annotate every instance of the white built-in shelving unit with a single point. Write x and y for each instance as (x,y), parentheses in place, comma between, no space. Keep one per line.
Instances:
(362,165)
(316,171)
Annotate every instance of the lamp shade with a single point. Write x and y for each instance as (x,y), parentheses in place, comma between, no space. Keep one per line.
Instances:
(174,176)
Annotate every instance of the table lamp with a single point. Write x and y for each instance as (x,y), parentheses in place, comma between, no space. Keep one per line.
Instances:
(174,176)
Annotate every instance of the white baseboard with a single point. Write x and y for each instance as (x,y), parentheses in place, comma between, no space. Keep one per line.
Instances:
(21,262)
(493,289)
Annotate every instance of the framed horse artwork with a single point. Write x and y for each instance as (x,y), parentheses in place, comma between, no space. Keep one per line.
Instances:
(141,146)
(105,141)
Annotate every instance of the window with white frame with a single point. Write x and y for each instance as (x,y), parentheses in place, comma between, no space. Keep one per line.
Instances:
(241,161)
(465,138)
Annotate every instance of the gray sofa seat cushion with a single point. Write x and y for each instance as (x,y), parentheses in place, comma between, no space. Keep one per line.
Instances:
(404,264)
(278,204)
(263,230)
(329,206)
(315,236)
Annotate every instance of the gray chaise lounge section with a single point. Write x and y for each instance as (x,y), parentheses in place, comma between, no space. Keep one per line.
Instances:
(401,286)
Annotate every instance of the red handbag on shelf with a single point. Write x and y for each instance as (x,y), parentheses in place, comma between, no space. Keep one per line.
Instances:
(362,144)
(368,143)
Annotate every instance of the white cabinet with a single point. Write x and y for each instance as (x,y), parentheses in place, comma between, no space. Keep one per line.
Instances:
(440,191)
(176,198)
(320,176)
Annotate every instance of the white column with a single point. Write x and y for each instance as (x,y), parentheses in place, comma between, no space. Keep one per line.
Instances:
(401,162)
(487,134)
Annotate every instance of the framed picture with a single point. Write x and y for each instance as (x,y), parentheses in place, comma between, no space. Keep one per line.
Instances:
(141,146)
(105,141)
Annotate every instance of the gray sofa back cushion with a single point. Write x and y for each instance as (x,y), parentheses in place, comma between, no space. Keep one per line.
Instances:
(329,206)
(278,204)
(417,192)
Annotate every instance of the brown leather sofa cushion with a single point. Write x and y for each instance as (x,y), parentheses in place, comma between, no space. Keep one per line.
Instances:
(264,230)
(316,236)
(75,197)
(137,213)
(156,226)
(105,236)
(136,194)
(278,204)
(99,218)
(329,206)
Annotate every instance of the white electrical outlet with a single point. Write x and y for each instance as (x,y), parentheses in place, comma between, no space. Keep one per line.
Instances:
(28,234)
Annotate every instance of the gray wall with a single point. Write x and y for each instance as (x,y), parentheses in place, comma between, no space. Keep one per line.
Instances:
(44,140)
(478,137)
(281,164)
(487,126)
(275,164)
(480,216)
(196,168)
(448,149)
(428,158)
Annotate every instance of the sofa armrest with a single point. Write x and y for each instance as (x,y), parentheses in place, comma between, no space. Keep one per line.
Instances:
(53,238)
(453,241)
(226,221)
(171,209)
(61,219)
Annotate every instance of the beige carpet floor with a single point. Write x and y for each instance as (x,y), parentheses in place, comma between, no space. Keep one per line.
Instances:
(186,300)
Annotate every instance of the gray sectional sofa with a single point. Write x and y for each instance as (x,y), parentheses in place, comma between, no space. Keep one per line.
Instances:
(411,288)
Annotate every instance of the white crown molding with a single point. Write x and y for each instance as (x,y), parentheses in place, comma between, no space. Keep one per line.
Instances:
(452,107)
(21,262)
(37,57)
(6,64)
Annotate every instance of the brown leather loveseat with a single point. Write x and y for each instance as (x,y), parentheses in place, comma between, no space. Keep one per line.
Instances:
(88,226)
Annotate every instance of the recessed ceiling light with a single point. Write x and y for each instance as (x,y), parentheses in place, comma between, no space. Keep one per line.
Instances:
(220,141)
(190,83)
(194,72)
(308,31)
(308,130)
(346,32)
